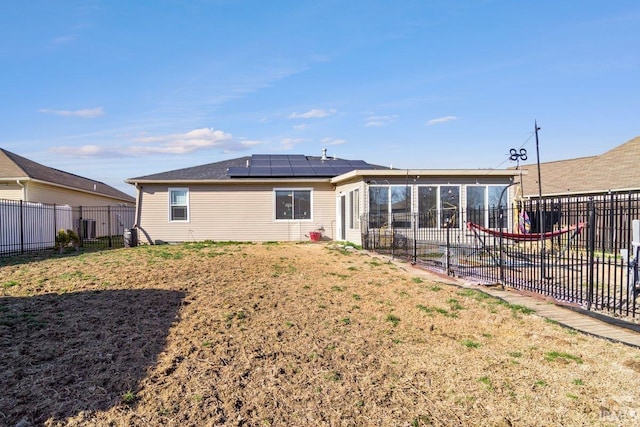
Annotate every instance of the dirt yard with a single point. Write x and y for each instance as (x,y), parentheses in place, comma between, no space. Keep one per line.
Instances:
(287,335)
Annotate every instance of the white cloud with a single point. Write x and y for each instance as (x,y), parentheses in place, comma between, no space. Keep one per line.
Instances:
(379,120)
(87,113)
(441,120)
(312,114)
(182,143)
(300,127)
(63,39)
(87,151)
(289,143)
(333,141)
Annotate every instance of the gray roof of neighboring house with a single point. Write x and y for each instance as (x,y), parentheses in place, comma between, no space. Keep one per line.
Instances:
(617,169)
(263,166)
(14,166)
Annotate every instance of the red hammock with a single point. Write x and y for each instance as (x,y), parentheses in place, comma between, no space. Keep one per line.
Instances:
(518,237)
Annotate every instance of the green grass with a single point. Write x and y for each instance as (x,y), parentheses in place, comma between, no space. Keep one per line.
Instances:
(9,284)
(471,344)
(395,320)
(129,397)
(555,355)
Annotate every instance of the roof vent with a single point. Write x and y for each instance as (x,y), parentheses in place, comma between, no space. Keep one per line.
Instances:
(248,162)
(324,154)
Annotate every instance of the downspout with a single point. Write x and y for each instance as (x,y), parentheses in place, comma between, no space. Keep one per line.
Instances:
(24,190)
(138,205)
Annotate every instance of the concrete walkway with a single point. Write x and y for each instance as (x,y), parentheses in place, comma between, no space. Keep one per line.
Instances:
(573,317)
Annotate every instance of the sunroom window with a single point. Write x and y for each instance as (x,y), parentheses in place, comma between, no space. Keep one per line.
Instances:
(444,200)
(483,202)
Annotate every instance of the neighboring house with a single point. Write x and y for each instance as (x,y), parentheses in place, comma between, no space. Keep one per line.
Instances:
(28,181)
(615,171)
(285,197)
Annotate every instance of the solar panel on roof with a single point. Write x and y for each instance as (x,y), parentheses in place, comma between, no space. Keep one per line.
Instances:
(342,169)
(238,171)
(260,163)
(323,171)
(295,165)
(259,171)
(281,171)
(303,171)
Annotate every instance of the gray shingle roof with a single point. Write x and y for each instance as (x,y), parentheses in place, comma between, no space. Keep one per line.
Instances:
(15,166)
(617,169)
(262,166)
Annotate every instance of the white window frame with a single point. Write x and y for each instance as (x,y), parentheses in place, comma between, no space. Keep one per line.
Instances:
(439,207)
(171,206)
(487,220)
(354,209)
(293,190)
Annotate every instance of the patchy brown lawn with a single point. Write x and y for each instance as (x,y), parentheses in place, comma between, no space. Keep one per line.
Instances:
(287,335)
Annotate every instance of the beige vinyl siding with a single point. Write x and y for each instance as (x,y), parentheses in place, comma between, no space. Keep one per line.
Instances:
(10,191)
(233,212)
(42,193)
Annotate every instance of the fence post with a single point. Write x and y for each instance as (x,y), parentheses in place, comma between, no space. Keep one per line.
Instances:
(393,236)
(448,254)
(109,224)
(80,226)
(21,228)
(591,245)
(415,238)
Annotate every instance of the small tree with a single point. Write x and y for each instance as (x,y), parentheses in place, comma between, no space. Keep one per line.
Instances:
(62,240)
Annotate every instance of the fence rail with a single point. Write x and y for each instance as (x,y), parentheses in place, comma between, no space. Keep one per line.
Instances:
(31,227)
(586,253)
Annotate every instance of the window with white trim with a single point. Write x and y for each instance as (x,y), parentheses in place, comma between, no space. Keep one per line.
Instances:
(178,204)
(443,199)
(292,204)
(354,212)
(390,202)
(483,202)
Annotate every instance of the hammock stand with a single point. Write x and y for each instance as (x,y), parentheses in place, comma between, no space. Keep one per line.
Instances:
(574,230)
(527,237)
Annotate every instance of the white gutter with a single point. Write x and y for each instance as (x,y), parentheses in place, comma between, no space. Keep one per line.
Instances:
(403,173)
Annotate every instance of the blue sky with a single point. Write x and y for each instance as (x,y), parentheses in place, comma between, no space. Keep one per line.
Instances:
(112,90)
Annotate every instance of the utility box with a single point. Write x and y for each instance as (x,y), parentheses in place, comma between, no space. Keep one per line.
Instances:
(130,237)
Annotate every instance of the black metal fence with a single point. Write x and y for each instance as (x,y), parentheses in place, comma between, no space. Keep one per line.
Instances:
(31,227)
(579,250)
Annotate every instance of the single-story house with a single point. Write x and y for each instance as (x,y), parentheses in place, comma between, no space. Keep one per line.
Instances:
(613,171)
(287,197)
(28,181)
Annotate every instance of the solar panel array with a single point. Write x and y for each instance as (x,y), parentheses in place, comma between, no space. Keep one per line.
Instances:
(281,166)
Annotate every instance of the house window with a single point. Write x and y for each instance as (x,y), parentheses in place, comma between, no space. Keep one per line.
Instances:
(477,204)
(390,202)
(178,204)
(443,199)
(293,204)
(483,202)
(354,213)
